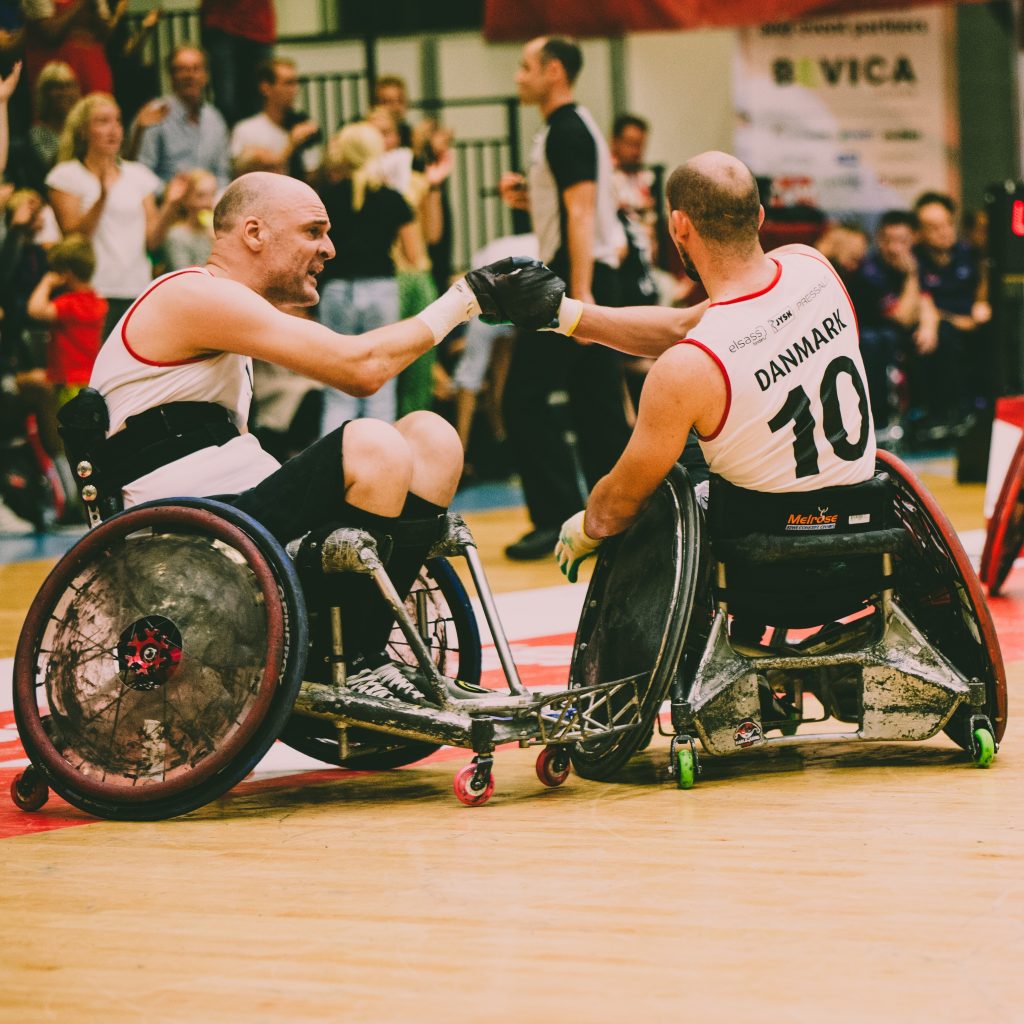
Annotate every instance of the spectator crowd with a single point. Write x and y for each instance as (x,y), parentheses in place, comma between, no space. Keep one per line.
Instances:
(108,184)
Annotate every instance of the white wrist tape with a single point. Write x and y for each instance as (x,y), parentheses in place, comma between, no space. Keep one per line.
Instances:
(455,307)
(569,313)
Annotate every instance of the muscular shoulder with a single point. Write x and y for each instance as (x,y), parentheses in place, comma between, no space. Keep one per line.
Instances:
(687,385)
(798,249)
(190,313)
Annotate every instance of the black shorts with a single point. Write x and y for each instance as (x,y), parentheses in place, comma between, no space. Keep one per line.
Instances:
(307,492)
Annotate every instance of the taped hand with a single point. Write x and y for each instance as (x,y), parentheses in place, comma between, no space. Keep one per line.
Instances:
(517,290)
(574,546)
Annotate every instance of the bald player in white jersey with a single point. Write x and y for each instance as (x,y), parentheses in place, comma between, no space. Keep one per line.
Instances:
(768,371)
(176,377)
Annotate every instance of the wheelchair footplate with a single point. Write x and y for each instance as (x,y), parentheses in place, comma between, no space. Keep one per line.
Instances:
(436,709)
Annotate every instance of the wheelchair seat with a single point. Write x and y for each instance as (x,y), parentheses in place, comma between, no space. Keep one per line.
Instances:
(801,559)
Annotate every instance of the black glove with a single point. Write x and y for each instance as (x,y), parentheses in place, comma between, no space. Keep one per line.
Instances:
(517,290)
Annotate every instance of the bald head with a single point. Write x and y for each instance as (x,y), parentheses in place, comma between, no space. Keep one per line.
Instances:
(719,195)
(257,194)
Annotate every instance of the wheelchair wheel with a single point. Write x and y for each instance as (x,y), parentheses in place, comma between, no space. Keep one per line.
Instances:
(938,588)
(1005,535)
(636,618)
(439,605)
(160,659)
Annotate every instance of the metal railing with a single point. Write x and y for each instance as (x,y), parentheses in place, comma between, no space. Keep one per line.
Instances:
(335,98)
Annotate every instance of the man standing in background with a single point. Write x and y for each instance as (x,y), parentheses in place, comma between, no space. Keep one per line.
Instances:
(570,196)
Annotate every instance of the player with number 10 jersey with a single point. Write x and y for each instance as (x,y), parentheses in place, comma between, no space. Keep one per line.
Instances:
(790,356)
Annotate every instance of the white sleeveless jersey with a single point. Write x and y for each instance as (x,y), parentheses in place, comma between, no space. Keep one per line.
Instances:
(132,384)
(797,413)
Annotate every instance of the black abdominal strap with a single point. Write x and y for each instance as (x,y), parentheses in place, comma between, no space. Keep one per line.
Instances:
(162,435)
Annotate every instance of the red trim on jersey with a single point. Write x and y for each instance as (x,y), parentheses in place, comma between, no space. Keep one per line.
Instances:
(835,273)
(754,295)
(728,386)
(135,305)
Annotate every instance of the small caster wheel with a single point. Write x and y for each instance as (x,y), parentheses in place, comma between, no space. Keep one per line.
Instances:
(29,790)
(474,785)
(553,766)
(984,747)
(687,768)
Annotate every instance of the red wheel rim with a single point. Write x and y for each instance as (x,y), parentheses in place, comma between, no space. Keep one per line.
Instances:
(1002,543)
(955,550)
(188,522)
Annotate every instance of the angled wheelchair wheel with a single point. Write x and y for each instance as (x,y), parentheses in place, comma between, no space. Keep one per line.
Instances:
(636,618)
(160,659)
(938,588)
(440,607)
(1005,535)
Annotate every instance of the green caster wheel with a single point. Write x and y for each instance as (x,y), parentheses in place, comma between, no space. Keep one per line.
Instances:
(687,768)
(984,747)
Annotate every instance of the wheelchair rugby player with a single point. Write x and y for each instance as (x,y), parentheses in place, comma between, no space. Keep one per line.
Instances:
(807,527)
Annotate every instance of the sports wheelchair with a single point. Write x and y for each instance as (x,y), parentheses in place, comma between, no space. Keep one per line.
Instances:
(867,604)
(177,640)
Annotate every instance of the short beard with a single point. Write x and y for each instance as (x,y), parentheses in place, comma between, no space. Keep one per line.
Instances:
(691,270)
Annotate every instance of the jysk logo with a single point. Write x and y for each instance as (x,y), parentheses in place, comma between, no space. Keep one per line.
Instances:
(755,337)
(874,70)
(822,521)
(776,322)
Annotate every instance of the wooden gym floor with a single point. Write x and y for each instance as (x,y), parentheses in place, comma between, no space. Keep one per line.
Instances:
(817,884)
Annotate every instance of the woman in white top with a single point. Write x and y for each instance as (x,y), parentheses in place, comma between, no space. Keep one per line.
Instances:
(111,201)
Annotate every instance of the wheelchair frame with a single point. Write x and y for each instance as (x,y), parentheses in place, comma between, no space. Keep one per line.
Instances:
(907,688)
(477,721)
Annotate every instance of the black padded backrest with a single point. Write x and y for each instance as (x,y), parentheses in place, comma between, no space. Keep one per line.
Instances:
(83,423)
(802,558)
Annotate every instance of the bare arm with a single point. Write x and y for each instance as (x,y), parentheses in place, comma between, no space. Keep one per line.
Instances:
(193,315)
(159,219)
(55,28)
(71,217)
(682,389)
(6,91)
(906,311)
(580,206)
(637,330)
(410,242)
(40,306)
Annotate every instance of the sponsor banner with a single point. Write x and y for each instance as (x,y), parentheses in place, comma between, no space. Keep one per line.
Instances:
(848,114)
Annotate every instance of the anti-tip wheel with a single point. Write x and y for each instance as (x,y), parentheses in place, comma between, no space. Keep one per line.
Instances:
(472,787)
(553,766)
(687,768)
(29,790)
(984,747)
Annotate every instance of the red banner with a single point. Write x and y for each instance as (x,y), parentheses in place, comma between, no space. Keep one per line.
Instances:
(525,19)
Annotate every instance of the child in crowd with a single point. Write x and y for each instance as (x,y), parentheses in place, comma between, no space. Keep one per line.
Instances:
(76,316)
(190,240)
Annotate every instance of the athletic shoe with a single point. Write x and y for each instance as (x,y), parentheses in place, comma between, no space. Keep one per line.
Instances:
(533,545)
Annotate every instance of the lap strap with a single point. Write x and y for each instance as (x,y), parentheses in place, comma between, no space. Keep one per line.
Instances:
(162,435)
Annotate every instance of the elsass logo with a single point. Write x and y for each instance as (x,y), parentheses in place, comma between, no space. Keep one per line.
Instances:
(821,521)
(776,322)
(755,337)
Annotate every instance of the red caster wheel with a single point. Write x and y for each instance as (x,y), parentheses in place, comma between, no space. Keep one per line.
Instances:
(553,766)
(29,790)
(474,784)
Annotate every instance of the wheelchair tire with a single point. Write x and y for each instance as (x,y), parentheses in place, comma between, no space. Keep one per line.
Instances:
(636,617)
(938,588)
(160,659)
(455,642)
(1005,534)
